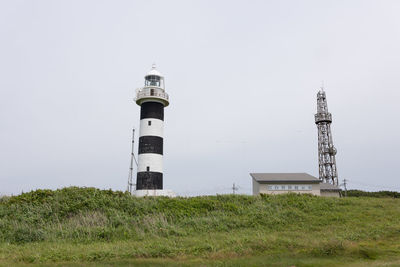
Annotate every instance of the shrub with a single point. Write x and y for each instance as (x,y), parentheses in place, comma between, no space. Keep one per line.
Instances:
(379,194)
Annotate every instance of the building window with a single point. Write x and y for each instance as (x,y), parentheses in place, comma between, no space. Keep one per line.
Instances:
(148,168)
(291,187)
(149,123)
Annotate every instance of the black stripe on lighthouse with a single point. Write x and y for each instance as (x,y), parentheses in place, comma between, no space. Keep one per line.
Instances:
(151,144)
(153,110)
(151,179)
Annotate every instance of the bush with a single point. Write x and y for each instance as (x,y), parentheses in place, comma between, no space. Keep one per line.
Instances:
(379,194)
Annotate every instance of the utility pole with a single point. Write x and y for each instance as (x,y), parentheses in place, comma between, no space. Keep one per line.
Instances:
(344,184)
(234,188)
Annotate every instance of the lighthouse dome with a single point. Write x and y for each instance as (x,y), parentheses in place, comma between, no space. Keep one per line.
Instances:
(154,72)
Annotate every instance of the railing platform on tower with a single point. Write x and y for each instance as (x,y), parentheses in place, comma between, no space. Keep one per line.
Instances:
(151,93)
(323,117)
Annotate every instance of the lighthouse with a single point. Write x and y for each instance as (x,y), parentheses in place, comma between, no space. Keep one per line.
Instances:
(152,100)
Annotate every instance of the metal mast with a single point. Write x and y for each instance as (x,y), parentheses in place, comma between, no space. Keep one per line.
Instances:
(133,158)
(326,150)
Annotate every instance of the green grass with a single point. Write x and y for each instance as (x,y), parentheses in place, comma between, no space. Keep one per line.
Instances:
(91,227)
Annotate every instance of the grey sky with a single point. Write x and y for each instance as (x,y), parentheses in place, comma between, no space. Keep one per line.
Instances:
(242,78)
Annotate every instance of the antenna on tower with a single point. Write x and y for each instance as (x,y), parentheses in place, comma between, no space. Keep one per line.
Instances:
(133,159)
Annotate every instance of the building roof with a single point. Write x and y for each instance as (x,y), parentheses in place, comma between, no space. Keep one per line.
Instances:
(284,177)
(329,187)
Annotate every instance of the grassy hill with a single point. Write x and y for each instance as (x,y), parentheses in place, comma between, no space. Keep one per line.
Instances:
(90,227)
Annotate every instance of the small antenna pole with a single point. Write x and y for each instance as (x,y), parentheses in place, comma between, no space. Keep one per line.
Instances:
(345,187)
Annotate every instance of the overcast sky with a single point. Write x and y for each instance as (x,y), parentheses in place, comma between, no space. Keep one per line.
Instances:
(242,78)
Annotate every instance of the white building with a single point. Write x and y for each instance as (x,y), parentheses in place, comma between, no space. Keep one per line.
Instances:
(302,183)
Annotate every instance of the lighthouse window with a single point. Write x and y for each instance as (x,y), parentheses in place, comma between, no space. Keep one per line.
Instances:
(153,80)
(149,123)
(148,168)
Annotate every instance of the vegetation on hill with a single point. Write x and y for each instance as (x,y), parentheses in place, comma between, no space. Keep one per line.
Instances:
(360,193)
(74,225)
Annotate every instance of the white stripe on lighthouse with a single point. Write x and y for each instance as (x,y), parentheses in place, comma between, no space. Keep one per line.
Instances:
(150,126)
(151,160)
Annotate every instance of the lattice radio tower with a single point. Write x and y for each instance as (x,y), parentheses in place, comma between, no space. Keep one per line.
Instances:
(326,150)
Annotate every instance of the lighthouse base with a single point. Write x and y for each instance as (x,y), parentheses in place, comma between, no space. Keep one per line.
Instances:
(154,193)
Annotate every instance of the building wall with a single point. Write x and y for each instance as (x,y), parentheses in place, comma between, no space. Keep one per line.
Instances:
(330,194)
(263,189)
(256,188)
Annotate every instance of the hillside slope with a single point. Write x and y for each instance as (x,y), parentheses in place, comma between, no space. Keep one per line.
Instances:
(74,225)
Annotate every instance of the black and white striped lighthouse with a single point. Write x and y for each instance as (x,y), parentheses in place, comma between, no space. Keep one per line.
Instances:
(152,99)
